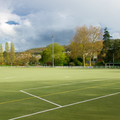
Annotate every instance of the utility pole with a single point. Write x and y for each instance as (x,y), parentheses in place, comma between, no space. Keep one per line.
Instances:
(53,50)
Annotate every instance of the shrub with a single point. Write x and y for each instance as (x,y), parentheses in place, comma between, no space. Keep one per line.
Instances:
(93,64)
(100,63)
(49,63)
(86,64)
(3,63)
(26,64)
(72,64)
(95,59)
(77,63)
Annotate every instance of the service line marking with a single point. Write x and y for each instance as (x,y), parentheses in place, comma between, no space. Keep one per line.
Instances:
(64,106)
(40,98)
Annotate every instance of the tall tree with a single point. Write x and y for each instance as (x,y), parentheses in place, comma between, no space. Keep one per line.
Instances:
(12,53)
(85,42)
(106,41)
(1,53)
(79,45)
(7,52)
(113,53)
(116,50)
(95,44)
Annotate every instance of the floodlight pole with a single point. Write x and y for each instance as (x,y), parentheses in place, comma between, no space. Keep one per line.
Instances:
(113,54)
(53,50)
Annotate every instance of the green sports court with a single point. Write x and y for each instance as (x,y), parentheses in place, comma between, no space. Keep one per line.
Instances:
(59,94)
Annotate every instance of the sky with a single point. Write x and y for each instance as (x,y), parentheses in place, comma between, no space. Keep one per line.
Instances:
(31,23)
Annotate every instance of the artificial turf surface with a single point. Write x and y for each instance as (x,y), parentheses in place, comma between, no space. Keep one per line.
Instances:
(64,86)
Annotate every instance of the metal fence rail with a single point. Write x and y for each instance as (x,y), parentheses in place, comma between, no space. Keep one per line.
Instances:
(83,67)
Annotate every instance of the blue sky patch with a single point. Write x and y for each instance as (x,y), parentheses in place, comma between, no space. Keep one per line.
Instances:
(12,23)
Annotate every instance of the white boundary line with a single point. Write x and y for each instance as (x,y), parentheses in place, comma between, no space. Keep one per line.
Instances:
(69,83)
(40,98)
(64,106)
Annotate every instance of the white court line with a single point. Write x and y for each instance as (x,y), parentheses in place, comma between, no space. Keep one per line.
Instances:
(40,98)
(7,77)
(64,106)
(69,83)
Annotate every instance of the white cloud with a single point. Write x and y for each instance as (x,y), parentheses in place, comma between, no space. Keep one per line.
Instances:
(39,20)
(116,35)
(23,41)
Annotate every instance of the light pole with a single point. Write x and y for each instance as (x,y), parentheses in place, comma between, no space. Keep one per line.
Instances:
(113,53)
(53,50)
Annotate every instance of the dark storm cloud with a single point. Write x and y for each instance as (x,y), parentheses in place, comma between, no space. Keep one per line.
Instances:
(42,40)
(61,37)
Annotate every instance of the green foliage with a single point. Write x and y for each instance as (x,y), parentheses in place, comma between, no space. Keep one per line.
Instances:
(106,35)
(93,64)
(71,64)
(45,56)
(33,60)
(57,48)
(6,53)
(86,64)
(66,60)
(106,45)
(100,63)
(95,59)
(12,53)
(1,53)
(77,62)
(87,58)
(59,57)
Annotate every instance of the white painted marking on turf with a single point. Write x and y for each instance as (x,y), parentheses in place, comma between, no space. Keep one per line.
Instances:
(68,84)
(41,98)
(65,106)
(35,113)
(8,77)
(61,84)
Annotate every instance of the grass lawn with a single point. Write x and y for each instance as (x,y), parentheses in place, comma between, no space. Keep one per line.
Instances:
(59,94)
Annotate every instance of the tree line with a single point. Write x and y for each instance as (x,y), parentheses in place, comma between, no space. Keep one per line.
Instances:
(87,43)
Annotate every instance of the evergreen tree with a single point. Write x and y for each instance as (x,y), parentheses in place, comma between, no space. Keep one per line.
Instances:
(7,52)
(106,42)
(107,46)
(12,53)
(1,53)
